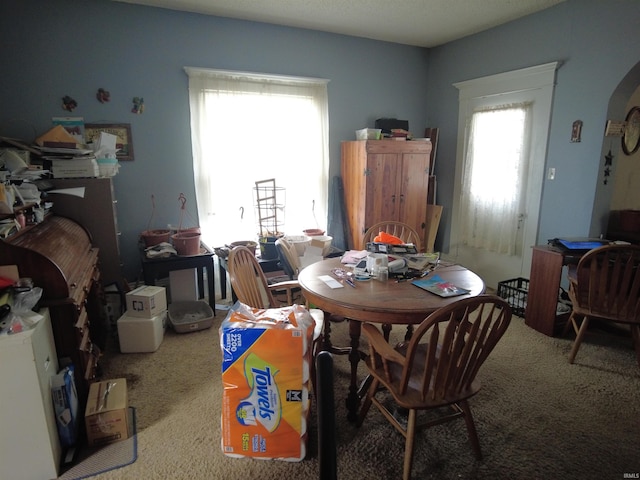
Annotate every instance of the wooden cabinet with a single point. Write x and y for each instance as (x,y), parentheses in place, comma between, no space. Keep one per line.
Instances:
(95,211)
(58,256)
(385,180)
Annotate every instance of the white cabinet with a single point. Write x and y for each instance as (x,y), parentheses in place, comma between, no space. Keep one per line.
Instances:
(29,444)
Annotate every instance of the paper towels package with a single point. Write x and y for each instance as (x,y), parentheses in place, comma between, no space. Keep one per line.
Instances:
(266,378)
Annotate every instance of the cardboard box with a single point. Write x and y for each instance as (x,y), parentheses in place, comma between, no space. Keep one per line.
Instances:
(106,416)
(141,335)
(146,301)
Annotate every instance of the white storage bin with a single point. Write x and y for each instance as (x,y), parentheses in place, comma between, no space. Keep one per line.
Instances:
(141,335)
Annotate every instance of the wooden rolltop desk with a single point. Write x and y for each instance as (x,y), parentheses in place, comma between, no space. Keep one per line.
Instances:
(58,256)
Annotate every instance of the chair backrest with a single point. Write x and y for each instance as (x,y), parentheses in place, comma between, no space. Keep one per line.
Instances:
(288,257)
(447,349)
(398,229)
(607,283)
(248,280)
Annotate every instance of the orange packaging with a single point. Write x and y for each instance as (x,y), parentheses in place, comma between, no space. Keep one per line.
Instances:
(265,376)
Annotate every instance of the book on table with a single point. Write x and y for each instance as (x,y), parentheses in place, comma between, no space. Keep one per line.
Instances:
(439,286)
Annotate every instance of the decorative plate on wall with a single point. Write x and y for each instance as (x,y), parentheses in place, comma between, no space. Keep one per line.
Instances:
(631,137)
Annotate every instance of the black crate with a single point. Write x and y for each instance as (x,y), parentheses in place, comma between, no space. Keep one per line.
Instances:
(515,292)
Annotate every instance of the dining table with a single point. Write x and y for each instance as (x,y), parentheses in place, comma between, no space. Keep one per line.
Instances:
(387,303)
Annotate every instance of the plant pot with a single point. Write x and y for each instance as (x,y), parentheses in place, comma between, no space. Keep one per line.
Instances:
(268,249)
(186,243)
(154,237)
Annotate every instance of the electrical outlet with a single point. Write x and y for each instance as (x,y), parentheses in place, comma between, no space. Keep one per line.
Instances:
(552,174)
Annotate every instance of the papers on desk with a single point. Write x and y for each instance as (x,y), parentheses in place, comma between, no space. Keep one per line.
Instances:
(330,281)
(352,257)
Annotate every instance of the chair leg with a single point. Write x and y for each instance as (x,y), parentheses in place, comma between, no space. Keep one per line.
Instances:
(364,407)
(635,336)
(578,341)
(569,323)
(408,444)
(471,428)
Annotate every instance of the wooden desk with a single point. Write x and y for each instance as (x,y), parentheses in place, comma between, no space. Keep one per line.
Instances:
(372,301)
(544,286)
(154,268)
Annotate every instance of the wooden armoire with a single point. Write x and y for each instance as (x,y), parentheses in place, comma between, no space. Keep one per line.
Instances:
(385,180)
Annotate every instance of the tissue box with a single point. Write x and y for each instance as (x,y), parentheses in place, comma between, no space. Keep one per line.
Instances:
(146,301)
(141,335)
(368,134)
(106,415)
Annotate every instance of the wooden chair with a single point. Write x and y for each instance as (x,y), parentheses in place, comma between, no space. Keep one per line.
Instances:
(252,288)
(437,367)
(291,265)
(288,258)
(404,232)
(606,286)
(398,229)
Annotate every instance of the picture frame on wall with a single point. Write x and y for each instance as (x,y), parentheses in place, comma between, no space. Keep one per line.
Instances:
(122,131)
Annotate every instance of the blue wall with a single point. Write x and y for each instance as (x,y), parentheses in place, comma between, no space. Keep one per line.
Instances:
(599,44)
(52,48)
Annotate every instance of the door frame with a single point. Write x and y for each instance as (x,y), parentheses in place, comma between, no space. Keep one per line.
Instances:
(539,80)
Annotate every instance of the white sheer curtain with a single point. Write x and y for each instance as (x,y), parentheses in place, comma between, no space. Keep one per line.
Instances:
(494,180)
(250,127)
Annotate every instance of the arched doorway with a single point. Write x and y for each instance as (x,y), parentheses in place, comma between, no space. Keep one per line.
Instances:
(622,188)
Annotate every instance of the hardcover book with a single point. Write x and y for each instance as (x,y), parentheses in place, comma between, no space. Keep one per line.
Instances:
(439,286)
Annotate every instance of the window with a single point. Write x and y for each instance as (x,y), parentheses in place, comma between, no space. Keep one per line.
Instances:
(494,182)
(250,127)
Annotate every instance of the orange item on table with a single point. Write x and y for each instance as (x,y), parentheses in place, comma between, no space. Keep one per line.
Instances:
(384,237)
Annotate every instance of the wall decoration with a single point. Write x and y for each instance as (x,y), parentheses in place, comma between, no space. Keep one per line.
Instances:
(608,162)
(68,103)
(103,95)
(614,128)
(138,105)
(631,137)
(576,131)
(124,142)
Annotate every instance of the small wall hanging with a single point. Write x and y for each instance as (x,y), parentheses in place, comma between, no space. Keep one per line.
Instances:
(138,105)
(103,95)
(68,103)
(608,161)
(576,131)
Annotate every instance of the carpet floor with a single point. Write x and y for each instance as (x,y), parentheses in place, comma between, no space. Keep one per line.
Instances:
(538,417)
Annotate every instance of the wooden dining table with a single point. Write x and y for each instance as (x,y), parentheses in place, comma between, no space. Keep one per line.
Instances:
(387,303)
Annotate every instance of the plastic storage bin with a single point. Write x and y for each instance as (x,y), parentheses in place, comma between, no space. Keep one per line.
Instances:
(515,292)
(141,335)
(190,316)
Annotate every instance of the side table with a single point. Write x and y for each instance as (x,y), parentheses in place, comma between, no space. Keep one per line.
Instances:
(154,268)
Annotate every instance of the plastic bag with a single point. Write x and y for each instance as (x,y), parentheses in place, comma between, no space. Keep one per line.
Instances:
(22,317)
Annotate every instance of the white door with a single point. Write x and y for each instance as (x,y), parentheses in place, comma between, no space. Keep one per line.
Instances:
(510,256)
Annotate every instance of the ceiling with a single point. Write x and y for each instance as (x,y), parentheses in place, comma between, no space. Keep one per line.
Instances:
(424,23)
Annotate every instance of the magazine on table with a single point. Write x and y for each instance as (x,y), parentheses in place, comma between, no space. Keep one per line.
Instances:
(436,284)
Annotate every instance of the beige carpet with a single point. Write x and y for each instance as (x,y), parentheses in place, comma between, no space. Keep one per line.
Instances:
(537,416)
